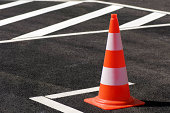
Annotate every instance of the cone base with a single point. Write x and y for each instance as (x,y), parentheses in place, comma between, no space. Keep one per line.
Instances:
(109,105)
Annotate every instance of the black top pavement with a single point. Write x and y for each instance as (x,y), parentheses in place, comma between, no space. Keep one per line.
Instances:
(49,66)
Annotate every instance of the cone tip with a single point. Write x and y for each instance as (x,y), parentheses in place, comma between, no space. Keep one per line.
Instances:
(113,15)
(114,24)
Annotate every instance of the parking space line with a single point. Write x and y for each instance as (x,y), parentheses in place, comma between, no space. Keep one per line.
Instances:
(12,4)
(81,33)
(146,26)
(37,12)
(55,105)
(70,22)
(72,93)
(76,92)
(143,20)
(46,100)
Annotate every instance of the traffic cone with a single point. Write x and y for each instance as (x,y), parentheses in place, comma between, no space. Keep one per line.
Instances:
(114,89)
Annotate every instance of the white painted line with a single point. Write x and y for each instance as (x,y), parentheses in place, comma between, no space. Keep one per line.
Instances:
(143,20)
(36,13)
(71,93)
(81,33)
(61,107)
(59,0)
(70,22)
(132,7)
(52,36)
(117,4)
(145,27)
(76,92)
(55,105)
(12,4)
(67,23)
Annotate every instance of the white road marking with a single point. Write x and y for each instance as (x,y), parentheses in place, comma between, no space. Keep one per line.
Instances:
(52,36)
(76,92)
(61,107)
(118,4)
(132,7)
(12,4)
(59,0)
(70,22)
(140,21)
(55,105)
(71,93)
(143,20)
(36,13)
(146,26)
(81,33)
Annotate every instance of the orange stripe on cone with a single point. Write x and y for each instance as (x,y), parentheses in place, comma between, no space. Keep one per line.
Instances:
(114,59)
(114,89)
(107,92)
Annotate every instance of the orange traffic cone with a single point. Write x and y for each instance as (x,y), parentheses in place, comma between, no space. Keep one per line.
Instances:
(114,89)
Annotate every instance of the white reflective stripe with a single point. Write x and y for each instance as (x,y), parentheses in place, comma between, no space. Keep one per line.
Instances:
(114,42)
(114,76)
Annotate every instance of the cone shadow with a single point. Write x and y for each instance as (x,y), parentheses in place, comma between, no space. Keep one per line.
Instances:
(155,104)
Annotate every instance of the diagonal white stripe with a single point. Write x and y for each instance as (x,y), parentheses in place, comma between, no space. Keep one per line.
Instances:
(37,12)
(132,7)
(143,20)
(55,105)
(70,22)
(12,4)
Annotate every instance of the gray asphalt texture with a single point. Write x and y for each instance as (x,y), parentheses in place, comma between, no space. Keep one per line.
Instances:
(49,66)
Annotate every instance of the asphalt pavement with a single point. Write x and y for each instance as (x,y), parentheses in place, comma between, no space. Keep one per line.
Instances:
(60,64)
